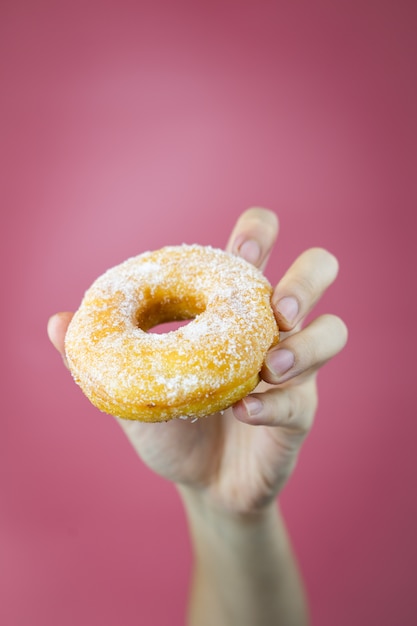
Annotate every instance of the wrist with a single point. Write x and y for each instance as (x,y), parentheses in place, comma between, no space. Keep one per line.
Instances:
(205,514)
(244,569)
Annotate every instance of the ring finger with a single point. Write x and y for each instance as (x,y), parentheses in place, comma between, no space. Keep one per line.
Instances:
(305,351)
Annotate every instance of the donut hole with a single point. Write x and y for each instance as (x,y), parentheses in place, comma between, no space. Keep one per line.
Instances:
(167,314)
(168,327)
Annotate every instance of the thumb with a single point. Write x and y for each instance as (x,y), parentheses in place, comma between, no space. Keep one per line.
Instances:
(57,328)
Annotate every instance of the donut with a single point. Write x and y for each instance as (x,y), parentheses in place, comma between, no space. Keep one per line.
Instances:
(198,369)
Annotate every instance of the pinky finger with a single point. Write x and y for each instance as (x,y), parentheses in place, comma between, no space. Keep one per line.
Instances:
(290,408)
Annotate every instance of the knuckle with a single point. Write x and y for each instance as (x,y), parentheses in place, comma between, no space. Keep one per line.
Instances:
(302,407)
(304,287)
(306,353)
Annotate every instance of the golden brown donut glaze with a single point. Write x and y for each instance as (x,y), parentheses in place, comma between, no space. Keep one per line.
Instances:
(194,371)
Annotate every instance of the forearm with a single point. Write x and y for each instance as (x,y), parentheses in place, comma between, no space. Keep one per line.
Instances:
(245,572)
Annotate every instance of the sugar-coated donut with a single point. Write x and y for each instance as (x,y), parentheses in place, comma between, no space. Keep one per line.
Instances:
(198,369)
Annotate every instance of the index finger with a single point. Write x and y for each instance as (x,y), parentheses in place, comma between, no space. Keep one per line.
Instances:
(253,236)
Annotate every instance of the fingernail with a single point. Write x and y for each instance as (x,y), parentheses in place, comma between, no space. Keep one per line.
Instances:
(253,406)
(288,308)
(250,250)
(280,361)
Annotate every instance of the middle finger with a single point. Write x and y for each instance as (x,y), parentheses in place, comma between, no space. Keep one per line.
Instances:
(302,286)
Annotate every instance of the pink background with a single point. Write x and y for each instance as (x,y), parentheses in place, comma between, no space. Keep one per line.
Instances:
(130,125)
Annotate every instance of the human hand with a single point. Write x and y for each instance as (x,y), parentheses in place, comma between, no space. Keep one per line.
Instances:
(239,460)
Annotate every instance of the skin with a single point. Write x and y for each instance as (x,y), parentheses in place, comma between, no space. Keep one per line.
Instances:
(230,467)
